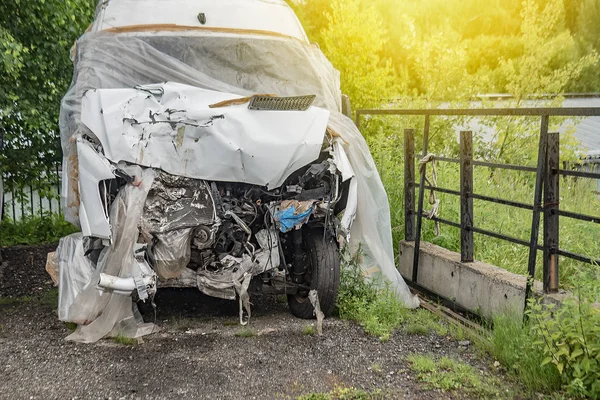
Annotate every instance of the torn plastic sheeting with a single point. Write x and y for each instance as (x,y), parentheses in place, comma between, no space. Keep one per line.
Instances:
(293,214)
(75,272)
(241,65)
(100,314)
(172,252)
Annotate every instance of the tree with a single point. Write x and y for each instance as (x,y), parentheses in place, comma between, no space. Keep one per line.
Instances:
(353,41)
(35,39)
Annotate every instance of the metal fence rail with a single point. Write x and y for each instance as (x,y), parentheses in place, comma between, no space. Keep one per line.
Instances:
(34,199)
(545,196)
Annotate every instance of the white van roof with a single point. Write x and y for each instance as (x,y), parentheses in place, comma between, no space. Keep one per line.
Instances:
(273,16)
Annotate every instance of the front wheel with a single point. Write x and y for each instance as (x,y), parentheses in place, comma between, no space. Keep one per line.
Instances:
(323,274)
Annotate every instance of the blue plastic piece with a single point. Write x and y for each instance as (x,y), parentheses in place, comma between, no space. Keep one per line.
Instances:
(288,218)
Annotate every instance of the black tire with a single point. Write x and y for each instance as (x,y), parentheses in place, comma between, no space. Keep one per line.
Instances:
(323,274)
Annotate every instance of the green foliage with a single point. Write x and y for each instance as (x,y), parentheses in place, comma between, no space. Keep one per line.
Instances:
(374,306)
(35,71)
(71,326)
(454,49)
(447,374)
(308,330)
(557,348)
(422,322)
(570,335)
(510,343)
(347,393)
(353,40)
(34,230)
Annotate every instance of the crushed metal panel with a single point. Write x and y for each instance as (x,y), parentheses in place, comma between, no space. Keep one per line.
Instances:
(178,133)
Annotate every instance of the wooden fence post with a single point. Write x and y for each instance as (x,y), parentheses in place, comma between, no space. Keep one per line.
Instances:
(466,200)
(551,205)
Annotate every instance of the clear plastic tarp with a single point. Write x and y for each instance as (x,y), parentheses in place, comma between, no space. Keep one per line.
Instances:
(232,63)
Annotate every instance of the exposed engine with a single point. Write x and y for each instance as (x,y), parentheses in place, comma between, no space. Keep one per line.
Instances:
(219,234)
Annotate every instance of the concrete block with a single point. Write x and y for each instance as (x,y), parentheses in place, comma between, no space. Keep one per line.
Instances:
(482,288)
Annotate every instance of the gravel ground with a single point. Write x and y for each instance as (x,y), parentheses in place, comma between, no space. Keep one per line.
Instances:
(197,353)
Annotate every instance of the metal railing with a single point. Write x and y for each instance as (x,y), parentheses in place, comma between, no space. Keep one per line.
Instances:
(34,199)
(545,196)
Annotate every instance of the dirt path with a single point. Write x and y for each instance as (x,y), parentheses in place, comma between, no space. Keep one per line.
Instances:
(199,353)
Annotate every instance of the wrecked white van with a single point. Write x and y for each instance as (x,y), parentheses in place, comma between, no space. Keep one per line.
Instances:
(204,146)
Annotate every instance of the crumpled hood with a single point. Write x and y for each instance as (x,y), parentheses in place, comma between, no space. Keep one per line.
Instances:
(171,126)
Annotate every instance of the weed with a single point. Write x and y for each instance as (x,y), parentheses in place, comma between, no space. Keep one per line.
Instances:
(416,329)
(370,303)
(308,330)
(347,393)
(124,340)
(569,336)
(376,368)
(71,326)
(511,343)
(558,348)
(385,337)
(449,375)
(421,322)
(231,323)
(246,333)
(281,299)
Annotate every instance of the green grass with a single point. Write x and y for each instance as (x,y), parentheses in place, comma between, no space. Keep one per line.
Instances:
(376,368)
(450,375)
(422,322)
(282,299)
(512,344)
(376,308)
(6,301)
(71,326)
(246,333)
(47,298)
(124,340)
(308,330)
(373,305)
(348,393)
